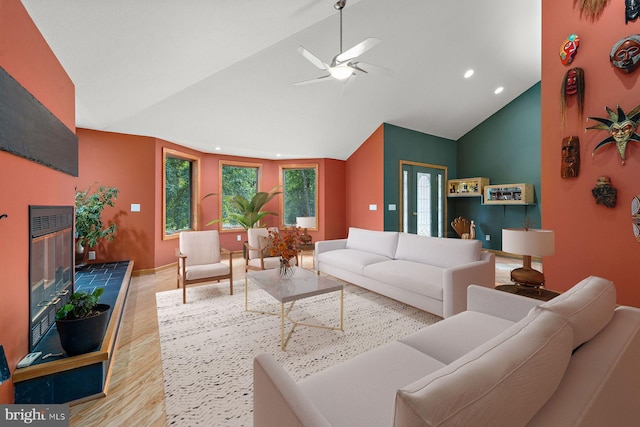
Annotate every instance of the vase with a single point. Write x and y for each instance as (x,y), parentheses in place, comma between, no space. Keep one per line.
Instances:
(80,253)
(285,269)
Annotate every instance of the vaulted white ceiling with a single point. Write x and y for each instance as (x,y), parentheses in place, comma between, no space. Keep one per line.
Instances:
(220,73)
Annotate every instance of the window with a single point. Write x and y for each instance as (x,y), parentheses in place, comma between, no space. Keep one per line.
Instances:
(180,185)
(237,179)
(299,185)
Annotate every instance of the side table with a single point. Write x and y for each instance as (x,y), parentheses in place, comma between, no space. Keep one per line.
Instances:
(537,293)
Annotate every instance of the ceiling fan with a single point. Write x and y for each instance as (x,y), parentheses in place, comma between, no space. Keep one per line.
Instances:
(344,65)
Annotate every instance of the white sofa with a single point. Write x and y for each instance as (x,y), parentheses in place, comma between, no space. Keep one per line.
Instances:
(506,361)
(429,273)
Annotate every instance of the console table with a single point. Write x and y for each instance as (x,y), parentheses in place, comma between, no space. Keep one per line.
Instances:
(75,379)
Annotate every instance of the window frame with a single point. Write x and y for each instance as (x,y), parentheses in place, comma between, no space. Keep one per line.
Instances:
(195,190)
(283,168)
(234,163)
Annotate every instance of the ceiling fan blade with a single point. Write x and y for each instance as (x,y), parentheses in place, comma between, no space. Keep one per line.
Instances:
(370,68)
(319,79)
(312,58)
(357,50)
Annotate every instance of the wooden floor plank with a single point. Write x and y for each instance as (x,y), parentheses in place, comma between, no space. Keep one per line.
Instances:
(136,390)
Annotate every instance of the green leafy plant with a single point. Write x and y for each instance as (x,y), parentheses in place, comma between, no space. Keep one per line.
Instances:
(248,212)
(89,206)
(80,305)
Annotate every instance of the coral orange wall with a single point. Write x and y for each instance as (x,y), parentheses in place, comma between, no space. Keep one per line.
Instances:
(365,183)
(332,200)
(125,162)
(590,239)
(26,56)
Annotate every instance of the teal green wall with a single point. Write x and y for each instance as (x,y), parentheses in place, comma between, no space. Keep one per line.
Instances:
(410,145)
(506,149)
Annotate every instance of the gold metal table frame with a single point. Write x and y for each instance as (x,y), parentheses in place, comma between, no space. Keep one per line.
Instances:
(303,284)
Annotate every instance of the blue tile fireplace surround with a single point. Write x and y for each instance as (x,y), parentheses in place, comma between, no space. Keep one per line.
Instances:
(73,379)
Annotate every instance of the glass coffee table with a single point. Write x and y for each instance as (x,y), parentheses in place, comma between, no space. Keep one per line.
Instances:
(303,284)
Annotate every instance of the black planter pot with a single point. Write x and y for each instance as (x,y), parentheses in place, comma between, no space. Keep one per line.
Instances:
(80,336)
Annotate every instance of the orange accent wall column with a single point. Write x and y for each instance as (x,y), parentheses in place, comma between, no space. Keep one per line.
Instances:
(332,200)
(125,162)
(365,183)
(590,239)
(26,56)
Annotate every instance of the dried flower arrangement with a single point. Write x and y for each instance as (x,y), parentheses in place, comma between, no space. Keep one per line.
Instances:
(285,245)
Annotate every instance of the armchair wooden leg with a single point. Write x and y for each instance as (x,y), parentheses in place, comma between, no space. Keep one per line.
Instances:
(184,294)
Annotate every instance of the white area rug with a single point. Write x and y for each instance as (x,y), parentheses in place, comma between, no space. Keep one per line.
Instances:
(208,345)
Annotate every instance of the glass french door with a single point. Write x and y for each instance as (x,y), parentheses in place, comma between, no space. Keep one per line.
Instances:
(423,199)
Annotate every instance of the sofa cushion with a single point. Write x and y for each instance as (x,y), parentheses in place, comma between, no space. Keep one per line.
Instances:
(457,335)
(377,242)
(504,382)
(359,392)
(437,251)
(419,278)
(350,259)
(588,307)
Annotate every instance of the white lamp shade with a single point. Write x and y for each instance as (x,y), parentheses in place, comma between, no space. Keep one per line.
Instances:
(530,241)
(306,221)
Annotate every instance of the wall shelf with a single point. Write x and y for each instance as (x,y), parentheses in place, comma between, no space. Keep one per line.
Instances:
(508,194)
(466,187)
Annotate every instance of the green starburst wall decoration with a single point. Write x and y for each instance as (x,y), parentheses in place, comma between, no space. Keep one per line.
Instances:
(621,127)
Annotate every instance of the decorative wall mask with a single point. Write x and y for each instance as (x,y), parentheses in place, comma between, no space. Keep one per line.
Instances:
(635,217)
(591,9)
(604,192)
(622,128)
(625,54)
(631,10)
(569,48)
(570,157)
(572,84)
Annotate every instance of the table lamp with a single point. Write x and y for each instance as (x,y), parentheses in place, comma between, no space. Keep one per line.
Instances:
(4,367)
(527,242)
(305,222)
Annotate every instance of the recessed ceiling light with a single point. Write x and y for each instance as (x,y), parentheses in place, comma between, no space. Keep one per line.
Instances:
(217,148)
(468,74)
(499,90)
(278,155)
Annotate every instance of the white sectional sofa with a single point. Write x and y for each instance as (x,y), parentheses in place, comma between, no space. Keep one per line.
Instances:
(429,273)
(506,361)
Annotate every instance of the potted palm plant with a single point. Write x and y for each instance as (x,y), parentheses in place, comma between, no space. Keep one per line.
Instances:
(89,225)
(81,322)
(248,213)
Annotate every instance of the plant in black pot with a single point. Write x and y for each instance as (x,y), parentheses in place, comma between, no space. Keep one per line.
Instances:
(82,322)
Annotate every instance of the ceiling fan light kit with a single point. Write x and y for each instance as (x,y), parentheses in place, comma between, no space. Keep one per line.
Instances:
(343,66)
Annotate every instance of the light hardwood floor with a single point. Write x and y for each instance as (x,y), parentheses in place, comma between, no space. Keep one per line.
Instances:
(136,391)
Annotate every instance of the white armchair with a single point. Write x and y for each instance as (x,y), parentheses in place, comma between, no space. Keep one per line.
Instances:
(200,260)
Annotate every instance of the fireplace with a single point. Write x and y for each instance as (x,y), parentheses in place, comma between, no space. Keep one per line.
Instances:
(50,266)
